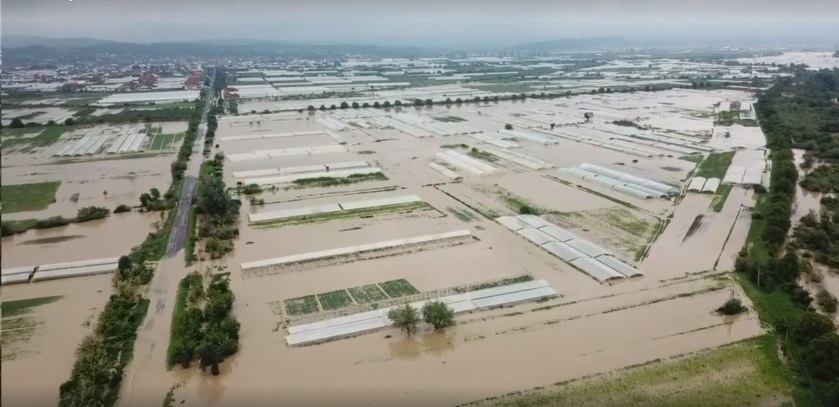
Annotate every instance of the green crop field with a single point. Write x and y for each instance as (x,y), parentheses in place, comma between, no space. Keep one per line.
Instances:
(302,305)
(334,300)
(398,288)
(28,197)
(367,293)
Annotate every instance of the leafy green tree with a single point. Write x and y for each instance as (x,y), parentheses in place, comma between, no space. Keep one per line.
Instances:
(69,121)
(355,105)
(438,314)
(213,198)
(405,318)
(16,124)
(345,105)
(124,264)
(811,326)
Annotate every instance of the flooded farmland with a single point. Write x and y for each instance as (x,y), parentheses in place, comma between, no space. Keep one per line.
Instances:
(588,328)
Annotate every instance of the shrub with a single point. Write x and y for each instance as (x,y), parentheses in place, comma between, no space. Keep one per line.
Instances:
(827,301)
(92,213)
(121,208)
(732,307)
(508,126)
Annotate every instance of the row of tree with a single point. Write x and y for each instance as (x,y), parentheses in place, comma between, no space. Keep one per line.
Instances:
(103,355)
(436,313)
(85,214)
(809,338)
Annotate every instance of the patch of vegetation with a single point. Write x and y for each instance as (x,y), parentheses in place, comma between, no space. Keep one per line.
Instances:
(694,158)
(694,380)
(398,288)
(463,146)
(28,197)
(732,307)
(84,215)
(715,165)
(827,301)
(438,314)
(208,334)
(462,214)
(824,178)
(334,300)
(122,208)
(322,182)
(367,294)
(301,305)
(192,238)
(250,189)
(45,138)
(450,119)
(769,274)
(217,212)
(671,169)
(21,307)
(722,195)
(405,317)
(483,155)
(626,221)
(628,123)
(352,213)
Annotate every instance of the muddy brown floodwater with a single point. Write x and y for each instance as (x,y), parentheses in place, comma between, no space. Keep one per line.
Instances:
(35,363)
(590,328)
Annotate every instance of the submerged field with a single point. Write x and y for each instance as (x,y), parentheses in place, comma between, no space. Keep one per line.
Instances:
(748,373)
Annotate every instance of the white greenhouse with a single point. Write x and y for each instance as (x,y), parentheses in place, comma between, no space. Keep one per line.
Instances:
(696,184)
(618,265)
(711,185)
(596,269)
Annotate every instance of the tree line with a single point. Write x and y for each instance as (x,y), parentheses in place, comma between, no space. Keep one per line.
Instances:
(774,264)
(103,355)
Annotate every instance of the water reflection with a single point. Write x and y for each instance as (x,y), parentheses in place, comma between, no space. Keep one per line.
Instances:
(430,342)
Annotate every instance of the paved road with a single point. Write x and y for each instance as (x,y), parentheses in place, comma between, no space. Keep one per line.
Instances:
(149,361)
(180,228)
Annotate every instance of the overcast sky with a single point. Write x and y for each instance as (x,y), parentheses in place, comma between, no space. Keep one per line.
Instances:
(449,23)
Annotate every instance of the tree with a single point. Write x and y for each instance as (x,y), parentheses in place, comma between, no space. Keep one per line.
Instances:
(821,356)
(438,314)
(418,102)
(124,264)
(345,105)
(397,103)
(310,108)
(16,124)
(213,198)
(154,193)
(811,326)
(355,105)
(386,104)
(508,126)
(69,121)
(405,318)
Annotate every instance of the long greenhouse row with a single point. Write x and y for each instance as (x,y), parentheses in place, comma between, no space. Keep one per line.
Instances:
(597,142)
(446,172)
(287,179)
(354,253)
(465,163)
(345,165)
(700,184)
(55,271)
(332,124)
(271,135)
(591,259)
(366,322)
(285,152)
(332,208)
(528,135)
(524,160)
(637,187)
